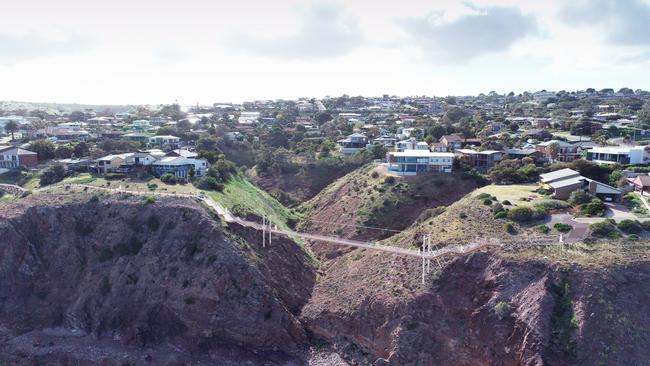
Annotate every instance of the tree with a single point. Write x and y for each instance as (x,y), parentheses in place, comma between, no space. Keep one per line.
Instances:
(184,125)
(44,148)
(554,150)
(52,175)
(64,152)
(81,149)
(12,127)
(77,116)
(379,151)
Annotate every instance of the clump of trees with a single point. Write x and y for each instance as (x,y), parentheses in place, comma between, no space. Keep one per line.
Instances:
(53,174)
(512,171)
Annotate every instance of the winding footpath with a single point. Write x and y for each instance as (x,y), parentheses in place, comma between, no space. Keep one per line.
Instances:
(227,217)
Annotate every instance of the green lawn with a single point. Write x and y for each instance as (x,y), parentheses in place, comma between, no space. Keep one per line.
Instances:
(242,197)
(513,193)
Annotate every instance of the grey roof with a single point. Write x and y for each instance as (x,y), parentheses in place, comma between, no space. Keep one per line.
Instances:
(520,151)
(566,182)
(558,175)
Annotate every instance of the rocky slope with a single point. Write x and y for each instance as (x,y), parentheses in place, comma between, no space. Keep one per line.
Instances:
(366,199)
(163,277)
(117,281)
(524,304)
(482,309)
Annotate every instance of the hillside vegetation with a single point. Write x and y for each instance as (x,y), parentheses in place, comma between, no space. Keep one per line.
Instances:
(368,197)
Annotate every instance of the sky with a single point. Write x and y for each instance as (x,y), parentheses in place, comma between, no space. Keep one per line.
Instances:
(201,51)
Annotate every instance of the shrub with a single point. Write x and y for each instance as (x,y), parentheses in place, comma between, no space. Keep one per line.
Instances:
(484,196)
(562,227)
(549,205)
(114,176)
(595,207)
(506,203)
(544,229)
(147,200)
(603,229)
(501,215)
(630,227)
(487,201)
(580,197)
(633,237)
(389,180)
(502,310)
(462,215)
(374,174)
(152,186)
(521,214)
(210,183)
(52,175)
(510,228)
(169,178)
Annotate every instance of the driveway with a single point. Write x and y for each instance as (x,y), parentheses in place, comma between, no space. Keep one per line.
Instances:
(579,230)
(619,212)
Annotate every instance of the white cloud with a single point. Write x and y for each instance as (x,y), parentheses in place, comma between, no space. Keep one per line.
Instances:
(325,32)
(16,48)
(483,31)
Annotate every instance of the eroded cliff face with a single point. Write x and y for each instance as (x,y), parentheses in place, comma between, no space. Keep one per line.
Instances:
(482,309)
(157,276)
(115,281)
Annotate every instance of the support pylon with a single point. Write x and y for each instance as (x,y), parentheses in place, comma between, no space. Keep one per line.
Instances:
(263,231)
(423,260)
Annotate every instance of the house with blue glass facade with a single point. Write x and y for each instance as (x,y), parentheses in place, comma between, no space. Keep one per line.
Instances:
(413,162)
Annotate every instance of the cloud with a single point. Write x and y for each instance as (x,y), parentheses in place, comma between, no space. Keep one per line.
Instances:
(621,22)
(325,32)
(24,47)
(482,31)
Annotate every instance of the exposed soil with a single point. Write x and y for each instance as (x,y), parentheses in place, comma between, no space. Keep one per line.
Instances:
(162,277)
(375,312)
(115,281)
(366,199)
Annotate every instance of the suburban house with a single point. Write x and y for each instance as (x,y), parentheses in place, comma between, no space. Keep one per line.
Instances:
(138,158)
(67,134)
(141,125)
(353,144)
(248,118)
(179,166)
(452,142)
(74,163)
(438,147)
(412,162)
(617,155)
(523,153)
(565,151)
(12,157)
(480,159)
(411,144)
(109,163)
(385,140)
(565,181)
(183,153)
(642,184)
(165,140)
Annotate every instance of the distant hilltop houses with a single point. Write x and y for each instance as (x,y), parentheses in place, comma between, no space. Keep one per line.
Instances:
(406,136)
